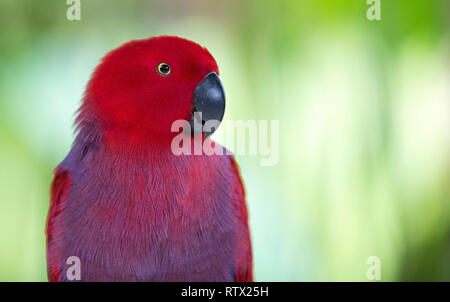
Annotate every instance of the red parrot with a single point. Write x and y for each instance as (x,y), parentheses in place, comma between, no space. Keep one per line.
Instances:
(126,205)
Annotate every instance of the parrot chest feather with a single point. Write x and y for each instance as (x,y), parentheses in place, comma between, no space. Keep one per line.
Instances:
(150,219)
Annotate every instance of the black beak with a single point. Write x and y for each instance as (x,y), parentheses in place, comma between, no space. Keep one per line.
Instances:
(209,105)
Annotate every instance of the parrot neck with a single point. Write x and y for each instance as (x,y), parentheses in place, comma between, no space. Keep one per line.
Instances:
(90,128)
(92,136)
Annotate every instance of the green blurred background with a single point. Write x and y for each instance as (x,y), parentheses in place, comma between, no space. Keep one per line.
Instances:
(364,111)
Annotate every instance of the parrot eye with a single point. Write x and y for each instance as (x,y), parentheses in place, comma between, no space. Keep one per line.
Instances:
(163,69)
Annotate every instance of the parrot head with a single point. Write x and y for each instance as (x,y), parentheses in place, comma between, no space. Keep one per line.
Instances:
(143,86)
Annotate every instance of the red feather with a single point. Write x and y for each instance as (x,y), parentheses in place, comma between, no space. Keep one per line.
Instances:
(58,194)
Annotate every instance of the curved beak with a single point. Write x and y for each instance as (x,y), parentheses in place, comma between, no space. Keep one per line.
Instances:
(209,105)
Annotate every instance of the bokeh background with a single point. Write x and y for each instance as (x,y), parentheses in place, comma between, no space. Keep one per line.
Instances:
(364,111)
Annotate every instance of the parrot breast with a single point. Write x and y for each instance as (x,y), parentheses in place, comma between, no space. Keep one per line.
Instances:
(144,214)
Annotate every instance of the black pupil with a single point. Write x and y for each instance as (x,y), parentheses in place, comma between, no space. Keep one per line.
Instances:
(164,68)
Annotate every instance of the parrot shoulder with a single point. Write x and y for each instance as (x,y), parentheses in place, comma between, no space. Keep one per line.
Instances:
(243,270)
(59,191)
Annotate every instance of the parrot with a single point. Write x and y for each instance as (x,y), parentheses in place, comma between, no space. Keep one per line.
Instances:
(122,202)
